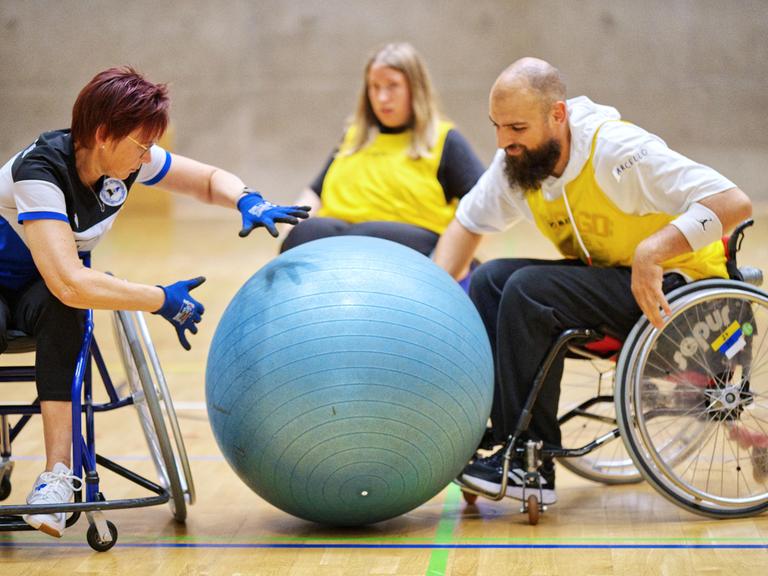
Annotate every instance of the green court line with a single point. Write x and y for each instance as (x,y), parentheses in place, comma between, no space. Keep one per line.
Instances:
(438,559)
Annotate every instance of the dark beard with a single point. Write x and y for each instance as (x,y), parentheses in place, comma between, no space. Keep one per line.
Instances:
(533,166)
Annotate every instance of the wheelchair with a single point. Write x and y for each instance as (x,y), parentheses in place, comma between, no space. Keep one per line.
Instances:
(145,388)
(684,407)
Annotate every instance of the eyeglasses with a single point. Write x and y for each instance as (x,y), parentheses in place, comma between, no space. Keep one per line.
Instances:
(144,149)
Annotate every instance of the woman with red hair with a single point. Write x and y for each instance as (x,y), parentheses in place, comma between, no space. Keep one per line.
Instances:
(58,197)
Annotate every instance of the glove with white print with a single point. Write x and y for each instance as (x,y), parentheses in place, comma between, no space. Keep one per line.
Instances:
(180,309)
(258,212)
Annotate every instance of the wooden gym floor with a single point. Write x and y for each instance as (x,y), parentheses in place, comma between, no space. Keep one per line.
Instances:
(594,529)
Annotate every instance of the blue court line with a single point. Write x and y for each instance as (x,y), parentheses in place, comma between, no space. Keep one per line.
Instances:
(435,546)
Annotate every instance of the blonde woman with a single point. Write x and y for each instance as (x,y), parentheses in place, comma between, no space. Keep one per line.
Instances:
(401,167)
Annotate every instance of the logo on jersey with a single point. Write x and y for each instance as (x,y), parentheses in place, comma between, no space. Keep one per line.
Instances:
(620,169)
(703,222)
(113,192)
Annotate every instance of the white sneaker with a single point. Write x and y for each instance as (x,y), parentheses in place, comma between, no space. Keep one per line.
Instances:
(53,487)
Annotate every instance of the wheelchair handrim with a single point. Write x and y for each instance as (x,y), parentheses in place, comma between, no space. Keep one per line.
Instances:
(635,429)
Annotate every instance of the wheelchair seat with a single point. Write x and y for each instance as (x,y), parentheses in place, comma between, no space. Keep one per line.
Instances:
(606,347)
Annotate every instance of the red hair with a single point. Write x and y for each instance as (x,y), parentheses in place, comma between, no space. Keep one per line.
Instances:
(119,101)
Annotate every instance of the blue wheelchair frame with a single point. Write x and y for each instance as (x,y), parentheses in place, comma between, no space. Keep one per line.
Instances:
(102,535)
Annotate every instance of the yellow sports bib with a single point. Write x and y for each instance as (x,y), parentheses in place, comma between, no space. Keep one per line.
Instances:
(609,234)
(381,182)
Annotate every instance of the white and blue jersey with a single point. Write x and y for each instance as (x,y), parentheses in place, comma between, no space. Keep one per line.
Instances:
(41,182)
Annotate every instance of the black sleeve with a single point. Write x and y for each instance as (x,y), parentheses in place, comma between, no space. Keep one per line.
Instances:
(317,183)
(459,167)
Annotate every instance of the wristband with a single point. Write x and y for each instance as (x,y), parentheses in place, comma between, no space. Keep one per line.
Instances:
(699,225)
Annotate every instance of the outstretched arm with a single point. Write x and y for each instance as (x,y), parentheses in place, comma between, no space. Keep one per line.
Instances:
(455,249)
(55,254)
(202,181)
(216,186)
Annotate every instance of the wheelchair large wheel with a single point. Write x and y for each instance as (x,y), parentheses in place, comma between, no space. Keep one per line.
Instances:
(692,401)
(154,407)
(589,414)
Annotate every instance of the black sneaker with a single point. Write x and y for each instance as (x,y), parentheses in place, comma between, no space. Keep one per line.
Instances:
(487,442)
(485,473)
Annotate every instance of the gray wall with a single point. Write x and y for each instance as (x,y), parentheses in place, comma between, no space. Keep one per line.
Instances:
(263,87)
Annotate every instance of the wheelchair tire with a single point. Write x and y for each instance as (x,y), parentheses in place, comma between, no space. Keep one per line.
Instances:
(593,418)
(692,399)
(5,488)
(182,459)
(532,507)
(469,497)
(152,407)
(95,541)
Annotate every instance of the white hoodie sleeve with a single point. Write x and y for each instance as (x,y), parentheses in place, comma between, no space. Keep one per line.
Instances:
(641,175)
(491,206)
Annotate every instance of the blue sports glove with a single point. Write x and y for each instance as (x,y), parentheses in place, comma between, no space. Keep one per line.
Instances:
(180,309)
(258,212)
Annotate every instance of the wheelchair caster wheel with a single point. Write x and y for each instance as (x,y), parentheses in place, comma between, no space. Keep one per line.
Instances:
(533,509)
(5,488)
(469,498)
(95,541)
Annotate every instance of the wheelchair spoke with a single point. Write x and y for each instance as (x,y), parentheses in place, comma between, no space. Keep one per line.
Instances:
(609,462)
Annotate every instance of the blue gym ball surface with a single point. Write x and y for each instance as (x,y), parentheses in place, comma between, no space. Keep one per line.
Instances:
(349,380)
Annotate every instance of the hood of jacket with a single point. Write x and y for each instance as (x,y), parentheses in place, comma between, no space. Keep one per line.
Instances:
(584,118)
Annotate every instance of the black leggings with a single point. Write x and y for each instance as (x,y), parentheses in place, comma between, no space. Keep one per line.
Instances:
(525,305)
(58,332)
(420,239)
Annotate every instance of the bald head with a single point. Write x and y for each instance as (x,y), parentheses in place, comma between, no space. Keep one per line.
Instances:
(530,115)
(531,79)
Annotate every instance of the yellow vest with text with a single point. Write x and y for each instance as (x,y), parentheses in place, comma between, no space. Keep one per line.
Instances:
(609,234)
(381,182)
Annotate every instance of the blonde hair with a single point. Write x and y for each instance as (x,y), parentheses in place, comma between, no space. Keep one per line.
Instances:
(400,56)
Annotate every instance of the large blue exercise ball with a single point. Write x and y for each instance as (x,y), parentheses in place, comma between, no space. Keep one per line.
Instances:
(349,380)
